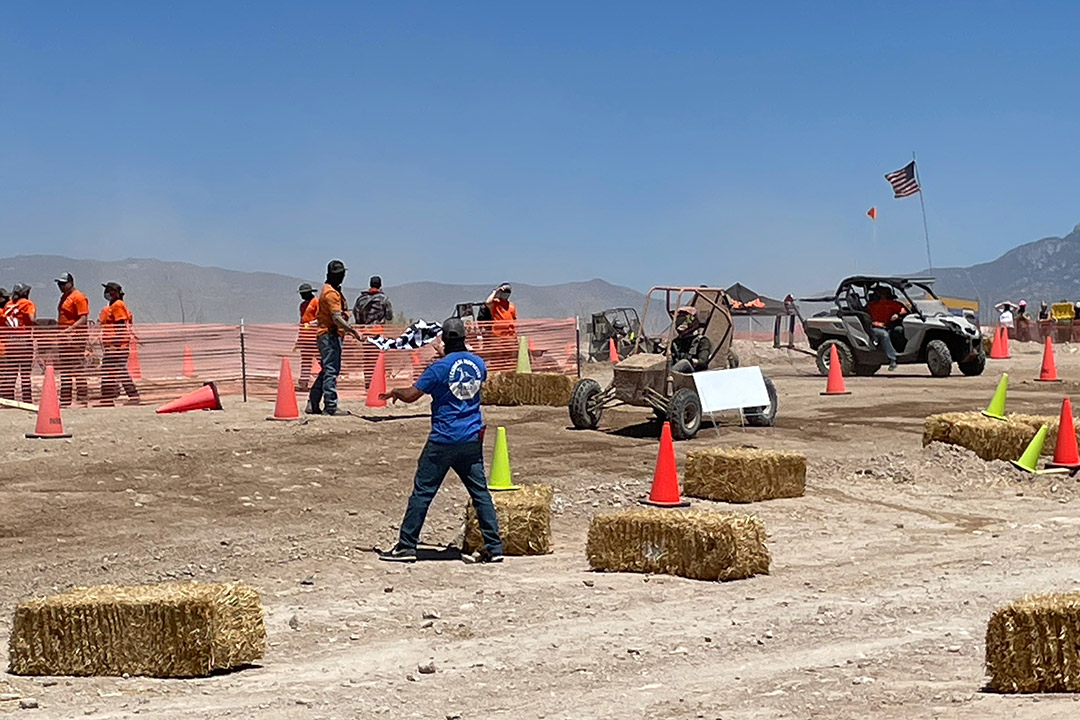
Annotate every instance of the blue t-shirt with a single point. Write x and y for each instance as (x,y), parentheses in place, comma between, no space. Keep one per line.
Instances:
(453,382)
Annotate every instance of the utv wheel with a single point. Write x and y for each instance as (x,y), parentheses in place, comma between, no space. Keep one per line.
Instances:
(866,370)
(938,358)
(580,415)
(732,360)
(763,416)
(847,362)
(975,366)
(684,414)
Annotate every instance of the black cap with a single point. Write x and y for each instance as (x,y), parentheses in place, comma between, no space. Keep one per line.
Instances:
(113,286)
(453,329)
(375,281)
(335,266)
(65,278)
(305,288)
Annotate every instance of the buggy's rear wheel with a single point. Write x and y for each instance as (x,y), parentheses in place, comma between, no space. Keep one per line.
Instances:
(684,414)
(765,415)
(582,417)
(847,361)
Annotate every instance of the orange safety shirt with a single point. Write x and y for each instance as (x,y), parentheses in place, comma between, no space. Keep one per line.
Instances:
(503,315)
(330,302)
(116,320)
(309,311)
(881,311)
(71,308)
(20,313)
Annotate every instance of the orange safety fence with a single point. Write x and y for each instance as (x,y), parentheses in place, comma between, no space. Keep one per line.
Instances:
(165,360)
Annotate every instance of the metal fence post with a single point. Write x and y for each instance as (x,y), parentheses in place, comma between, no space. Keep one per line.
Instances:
(243,360)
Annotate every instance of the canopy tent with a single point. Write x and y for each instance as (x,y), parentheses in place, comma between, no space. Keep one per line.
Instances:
(745,301)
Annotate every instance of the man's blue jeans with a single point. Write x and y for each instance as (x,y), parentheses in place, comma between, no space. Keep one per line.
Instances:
(325,386)
(467,460)
(884,341)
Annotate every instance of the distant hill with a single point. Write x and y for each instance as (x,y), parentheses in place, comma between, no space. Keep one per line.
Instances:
(1047,269)
(161,291)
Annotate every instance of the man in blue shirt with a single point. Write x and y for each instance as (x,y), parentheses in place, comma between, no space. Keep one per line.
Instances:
(455,442)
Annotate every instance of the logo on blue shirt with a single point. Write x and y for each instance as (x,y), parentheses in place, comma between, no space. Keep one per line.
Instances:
(465,379)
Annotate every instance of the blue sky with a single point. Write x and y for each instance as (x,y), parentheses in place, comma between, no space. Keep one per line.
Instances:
(471,142)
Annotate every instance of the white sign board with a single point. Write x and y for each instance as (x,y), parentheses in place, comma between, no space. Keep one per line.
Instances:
(731,389)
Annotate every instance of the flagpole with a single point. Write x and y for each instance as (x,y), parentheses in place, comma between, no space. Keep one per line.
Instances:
(922,204)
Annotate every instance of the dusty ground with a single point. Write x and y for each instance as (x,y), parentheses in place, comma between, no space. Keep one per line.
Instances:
(883,575)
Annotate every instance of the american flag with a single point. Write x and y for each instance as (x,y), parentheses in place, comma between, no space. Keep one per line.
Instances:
(903,181)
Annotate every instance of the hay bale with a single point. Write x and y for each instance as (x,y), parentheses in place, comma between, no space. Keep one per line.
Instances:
(511,388)
(1033,645)
(741,475)
(697,544)
(170,630)
(524,521)
(989,438)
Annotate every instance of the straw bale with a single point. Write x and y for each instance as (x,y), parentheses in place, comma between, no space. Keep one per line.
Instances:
(698,544)
(1033,645)
(511,388)
(524,521)
(742,475)
(989,438)
(169,630)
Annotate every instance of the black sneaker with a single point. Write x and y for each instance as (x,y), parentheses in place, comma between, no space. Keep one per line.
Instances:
(483,556)
(398,553)
(337,412)
(309,410)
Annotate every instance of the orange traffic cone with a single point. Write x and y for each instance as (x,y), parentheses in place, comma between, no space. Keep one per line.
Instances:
(285,408)
(1005,342)
(665,484)
(205,398)
(995,345)
(835,385)
(49,424)
(1065,450)
(612,351)
(133,366)
(189,363)
(1048,373)
(377,385)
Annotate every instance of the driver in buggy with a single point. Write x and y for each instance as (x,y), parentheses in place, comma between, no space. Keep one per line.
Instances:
(887,315)
(690,350)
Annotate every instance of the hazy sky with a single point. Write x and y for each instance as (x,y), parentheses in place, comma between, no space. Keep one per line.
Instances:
(543,142)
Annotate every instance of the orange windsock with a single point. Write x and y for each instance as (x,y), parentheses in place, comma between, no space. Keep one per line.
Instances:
(133,366)
(1065,450)
(872,213)
(1048,373)
(189,363)
(49,424)
(612,351)
(205,398)
(835,385)
(285,408)
(377,386)
(665,485)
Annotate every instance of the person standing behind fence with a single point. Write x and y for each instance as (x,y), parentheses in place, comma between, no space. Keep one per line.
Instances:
(333,326)
(503,327)
(372,311)
(20,316)
(307,340)
(116,332)
(72,317)
(7,361)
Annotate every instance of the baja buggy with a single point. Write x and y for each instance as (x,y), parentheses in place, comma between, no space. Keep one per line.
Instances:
(619,324)
(646,378)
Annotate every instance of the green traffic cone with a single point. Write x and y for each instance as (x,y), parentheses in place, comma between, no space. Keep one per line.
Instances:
(500,465)
(523,365)
(1030,459)
(996,409)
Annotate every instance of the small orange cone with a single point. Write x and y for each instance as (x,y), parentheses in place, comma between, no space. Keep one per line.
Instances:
(995,345)
(189,363)
(133,366)
(205,398)
(49,424)
(377,385)
(835,385)
(1048,373)
(285,408)
(1065,450)
(612,351)
(665,484)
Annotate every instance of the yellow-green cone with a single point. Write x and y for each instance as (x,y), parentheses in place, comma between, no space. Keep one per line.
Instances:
(996,409)
(523,364)
(500,464)
(1029,461)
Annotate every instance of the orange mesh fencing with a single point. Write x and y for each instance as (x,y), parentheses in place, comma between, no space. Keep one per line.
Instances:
(165,360)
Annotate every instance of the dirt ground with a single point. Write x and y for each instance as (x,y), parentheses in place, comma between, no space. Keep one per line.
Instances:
(882,580)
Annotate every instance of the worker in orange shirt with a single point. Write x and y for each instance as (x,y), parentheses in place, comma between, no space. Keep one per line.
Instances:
(503,328)
(306,341)
(116,321)
(7,366)
(333,326)
(20,316)
(72,318)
